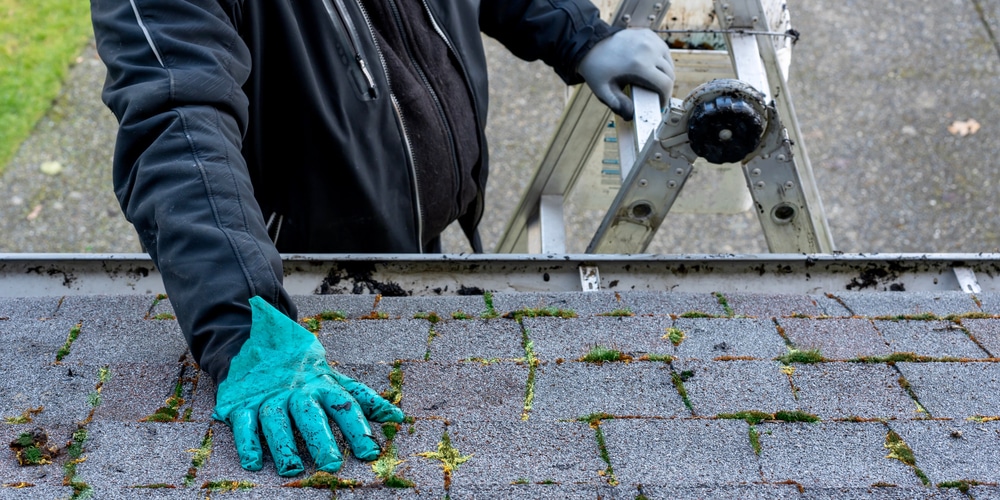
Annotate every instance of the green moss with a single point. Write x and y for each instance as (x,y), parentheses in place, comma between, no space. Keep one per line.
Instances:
(323,481)
(311,324)
(389,430)
(983,418)
(75,452)
(449,457)
(529,390)
(385,469)
(394,394)
(482,361)
(331,316)
(595,419)
(25,417)
(962,485)
(609,472)
(491,312)
(226,486)
(899,450)
(461,315)
(725,304)
(543,312)
(64,351)
(797,356)
(675,336)
(432,316)
(678,381)
(599,354)
(697,314)
(662,358)
(199,458)
(520,480)
(75,448)
(164,316)
(754,439)
(910,317)
(166,413)
(895,357)
(795,416)
(750,416)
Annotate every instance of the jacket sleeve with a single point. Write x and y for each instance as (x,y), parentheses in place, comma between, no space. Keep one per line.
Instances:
(174,81)
(559,32)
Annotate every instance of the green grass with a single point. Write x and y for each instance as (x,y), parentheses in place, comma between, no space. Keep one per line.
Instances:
(39,40)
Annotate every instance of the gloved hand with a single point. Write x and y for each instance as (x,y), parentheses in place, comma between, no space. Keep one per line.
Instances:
(281,371)
(629,57)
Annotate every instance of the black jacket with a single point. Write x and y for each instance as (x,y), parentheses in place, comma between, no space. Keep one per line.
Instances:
(233,111)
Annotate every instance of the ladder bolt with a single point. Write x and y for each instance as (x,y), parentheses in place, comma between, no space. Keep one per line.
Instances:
(760,184)
(643,182)
(782,158)
(672,184)
(789,185)
(755,172)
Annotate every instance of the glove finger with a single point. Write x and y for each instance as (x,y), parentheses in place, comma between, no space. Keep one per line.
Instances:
(244,425)
(666,66)
(346,412)
(375,407)
(314,426)
(278,432)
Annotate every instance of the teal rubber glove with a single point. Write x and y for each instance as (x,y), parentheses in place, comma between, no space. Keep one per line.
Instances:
(636,56)
(281,375)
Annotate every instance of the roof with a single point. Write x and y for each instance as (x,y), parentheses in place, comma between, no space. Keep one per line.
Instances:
(701,395)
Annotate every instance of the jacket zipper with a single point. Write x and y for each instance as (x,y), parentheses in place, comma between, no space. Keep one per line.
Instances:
(402,125)
(340,11)
(434,97)
(480,200)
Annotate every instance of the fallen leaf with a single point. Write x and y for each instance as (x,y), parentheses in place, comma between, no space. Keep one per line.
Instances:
(34,212)
(962,129)
(51,168)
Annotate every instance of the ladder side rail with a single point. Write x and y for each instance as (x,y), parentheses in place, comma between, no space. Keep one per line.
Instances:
(576,137)
(751,15)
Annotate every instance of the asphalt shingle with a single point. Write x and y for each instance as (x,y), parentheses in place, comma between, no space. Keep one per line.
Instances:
(830,455)
(499,409)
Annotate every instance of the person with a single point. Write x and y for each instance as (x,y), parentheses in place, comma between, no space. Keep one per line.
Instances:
(253,127)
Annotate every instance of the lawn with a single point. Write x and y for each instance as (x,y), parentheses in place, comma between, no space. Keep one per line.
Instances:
(39,40)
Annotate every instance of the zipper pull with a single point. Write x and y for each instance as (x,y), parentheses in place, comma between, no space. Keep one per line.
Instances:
(368,76)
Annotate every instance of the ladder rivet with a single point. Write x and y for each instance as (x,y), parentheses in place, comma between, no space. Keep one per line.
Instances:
(789,185)
(755,172)
(651,18)
(761,184)
(672,184)
(679,171)
(643,182)
(781,157)
(658,156)
(657,6)
(755,19)
(626,18)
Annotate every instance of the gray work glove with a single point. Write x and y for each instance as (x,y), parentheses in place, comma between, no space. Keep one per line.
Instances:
(636,57)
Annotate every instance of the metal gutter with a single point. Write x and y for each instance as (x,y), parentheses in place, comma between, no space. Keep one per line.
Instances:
(32,275)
